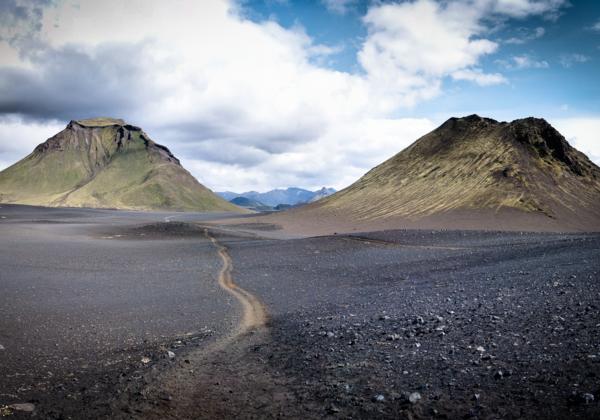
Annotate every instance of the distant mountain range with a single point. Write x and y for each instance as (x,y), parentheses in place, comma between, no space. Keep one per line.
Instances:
(250,204)
(279,197)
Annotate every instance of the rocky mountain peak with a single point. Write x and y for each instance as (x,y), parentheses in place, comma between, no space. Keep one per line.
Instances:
(108,134)
(105,162)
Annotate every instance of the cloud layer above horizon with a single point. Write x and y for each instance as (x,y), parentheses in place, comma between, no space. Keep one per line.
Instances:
(253,104)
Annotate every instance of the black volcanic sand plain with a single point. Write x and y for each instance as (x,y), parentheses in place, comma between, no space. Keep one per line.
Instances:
(85,296)
(391,324)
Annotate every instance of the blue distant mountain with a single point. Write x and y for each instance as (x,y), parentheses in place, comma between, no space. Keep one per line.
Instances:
(250,204)
(290,196)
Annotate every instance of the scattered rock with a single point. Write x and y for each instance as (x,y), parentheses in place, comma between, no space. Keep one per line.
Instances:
(170,354)
(588,398)
(378,398)
(414,398)
(146,360)
(577,398)
(164,396)
(333,409)
(25,407)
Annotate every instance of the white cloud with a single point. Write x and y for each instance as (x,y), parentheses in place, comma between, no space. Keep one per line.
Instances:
(340,7)
(477,76)
(411,47)
(568,60)
(582,133)
(337,159)
(245,105)
(424,37)
(520,62)
(526,35)
(596,26)
(18,137)
(526,62)
(524,8)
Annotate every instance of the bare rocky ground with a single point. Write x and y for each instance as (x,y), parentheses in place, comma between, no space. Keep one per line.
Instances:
(398,324)
(408,324)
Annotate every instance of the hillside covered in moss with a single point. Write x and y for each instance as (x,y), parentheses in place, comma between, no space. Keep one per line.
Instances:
(105,163)
(478,164)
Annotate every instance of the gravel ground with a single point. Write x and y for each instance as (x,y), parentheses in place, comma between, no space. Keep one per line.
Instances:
(92,301)
(430,324)
(393,324)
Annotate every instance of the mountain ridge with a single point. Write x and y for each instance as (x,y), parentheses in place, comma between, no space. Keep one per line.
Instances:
(477,166)
(105,163)
(288,196)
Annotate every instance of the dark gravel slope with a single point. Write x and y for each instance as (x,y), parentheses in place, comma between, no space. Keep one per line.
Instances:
(430,324)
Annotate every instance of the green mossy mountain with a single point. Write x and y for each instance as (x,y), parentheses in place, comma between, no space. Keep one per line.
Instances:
(475,163)
(106,163)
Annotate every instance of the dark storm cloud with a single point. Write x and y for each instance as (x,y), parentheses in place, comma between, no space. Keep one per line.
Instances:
(220,151)
(70,83)
(192,143)
(116,80)
(223,135)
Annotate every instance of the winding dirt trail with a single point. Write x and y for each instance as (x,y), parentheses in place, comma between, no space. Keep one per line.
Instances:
(197,386)
(254,313)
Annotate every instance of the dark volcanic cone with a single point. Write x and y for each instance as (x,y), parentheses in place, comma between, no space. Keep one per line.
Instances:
(105,163)
(478,165)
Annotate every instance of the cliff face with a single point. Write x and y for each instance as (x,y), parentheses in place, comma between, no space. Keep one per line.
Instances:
(475,163)
(105,163)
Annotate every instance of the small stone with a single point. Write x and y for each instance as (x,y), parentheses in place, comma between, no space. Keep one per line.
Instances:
(164,396)
(498,375)
(480,349)
(333,409)
(25,407)
(588,398)
(378,398)
(146,360)
(170,354)
(414,398)
(2,347)
(578,398)
(330,334)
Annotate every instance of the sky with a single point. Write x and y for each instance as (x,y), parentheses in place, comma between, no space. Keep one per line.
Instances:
(255,95)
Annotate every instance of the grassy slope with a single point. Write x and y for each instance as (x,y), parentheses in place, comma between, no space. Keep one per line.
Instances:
(474,170)
(93,174)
